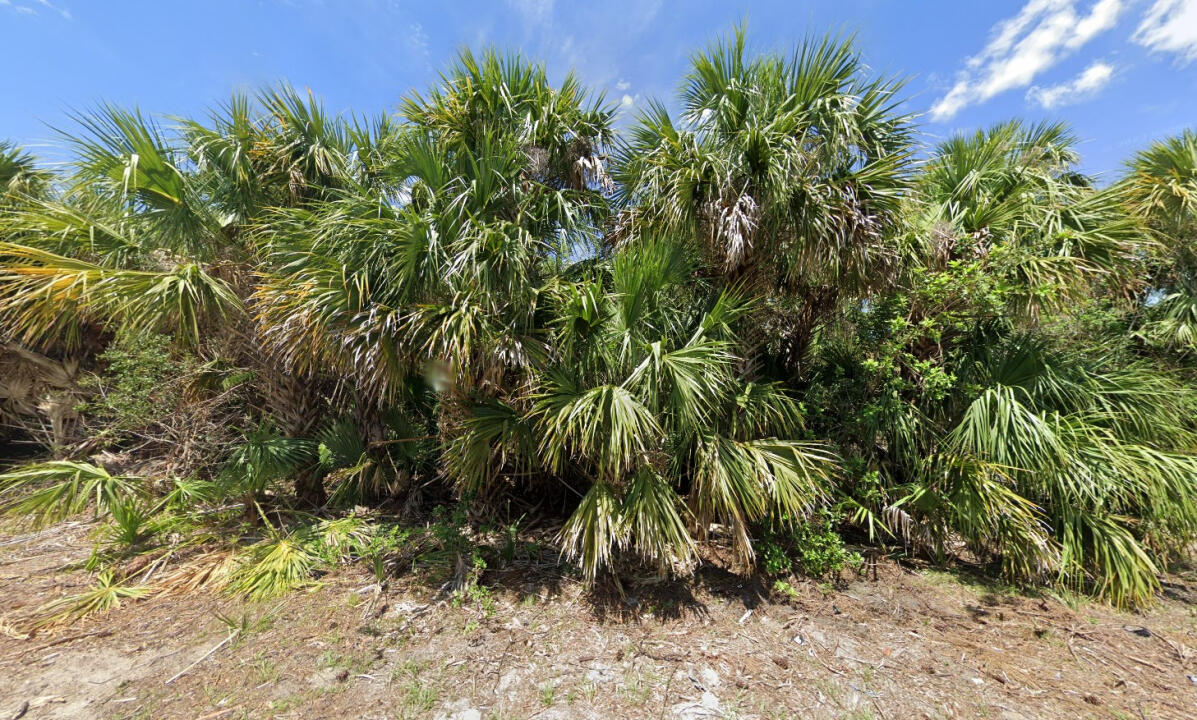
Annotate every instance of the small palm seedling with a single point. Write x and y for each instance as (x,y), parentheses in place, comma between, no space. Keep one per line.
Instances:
(342,539)
(186,493)
(106,594)
(273,567)
(133,523)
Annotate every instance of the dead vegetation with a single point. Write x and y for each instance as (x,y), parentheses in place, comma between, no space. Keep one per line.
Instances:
(528,640)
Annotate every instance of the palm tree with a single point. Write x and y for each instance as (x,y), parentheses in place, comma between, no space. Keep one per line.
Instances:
(462,274)
(152,231)
(978,421)
(1161,186)
(464,292)
(1012,189)
(639,410)
(20,176)
(785,173)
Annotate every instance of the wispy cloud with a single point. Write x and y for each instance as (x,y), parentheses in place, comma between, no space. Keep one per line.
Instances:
(66,14)
(1170,26)
(1024,46)
(31,11)
(417,41)
(1086,85)
(533,12)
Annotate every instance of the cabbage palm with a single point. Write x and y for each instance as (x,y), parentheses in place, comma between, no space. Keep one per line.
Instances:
(640,410)
(442,257)
(1161,186)
(1009,197)
(149,231)
(1057,462)
(785,172)
(20,176)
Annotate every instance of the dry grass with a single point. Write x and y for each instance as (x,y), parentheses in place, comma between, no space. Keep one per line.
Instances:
(913,643)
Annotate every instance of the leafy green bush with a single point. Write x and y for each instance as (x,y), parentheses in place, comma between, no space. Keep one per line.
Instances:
(813,547)
(139,383)
(820,549)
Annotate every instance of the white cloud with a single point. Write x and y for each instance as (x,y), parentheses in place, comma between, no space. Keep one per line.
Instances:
(46,4)
(534,12)
(30,10)
(1022,47)
(622,84)
(629,103)
(1088,83)
(1170,26)
(417,40)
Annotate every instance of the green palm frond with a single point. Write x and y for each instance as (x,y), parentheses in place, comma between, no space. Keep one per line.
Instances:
(266,457)
(1172,323)
(653,522)
(20,177)
(43,294)
(605,425)
(273,567)
(52,491)
(495,438)
(1100,547)
(1162,181)
(108,593)
(594,530)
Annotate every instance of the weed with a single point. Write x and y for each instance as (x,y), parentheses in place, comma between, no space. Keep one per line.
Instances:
(244,625)
(784,588)
(418,697)
(813,546)
(264,668)
(286,704)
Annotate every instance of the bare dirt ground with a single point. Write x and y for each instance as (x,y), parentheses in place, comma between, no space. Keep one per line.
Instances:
(912,643)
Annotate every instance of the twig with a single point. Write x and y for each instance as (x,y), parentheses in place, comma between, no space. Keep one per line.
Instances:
(219,645)
(503,659)
(218,713)
(21,711)
(1076,657)
(72,638)
(824,664)
(1141,661)
(665,697)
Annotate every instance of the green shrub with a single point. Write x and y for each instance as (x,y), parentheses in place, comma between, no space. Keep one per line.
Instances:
(812,547)
(139,383)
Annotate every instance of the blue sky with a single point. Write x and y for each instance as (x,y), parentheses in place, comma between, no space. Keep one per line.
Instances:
(1122,72)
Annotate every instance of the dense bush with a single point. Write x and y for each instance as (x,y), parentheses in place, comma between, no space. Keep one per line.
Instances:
(757,318)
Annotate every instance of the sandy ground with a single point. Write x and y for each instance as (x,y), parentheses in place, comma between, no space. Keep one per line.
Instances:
(912,643)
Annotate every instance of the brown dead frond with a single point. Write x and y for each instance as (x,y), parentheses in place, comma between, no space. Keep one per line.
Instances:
(207,571)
